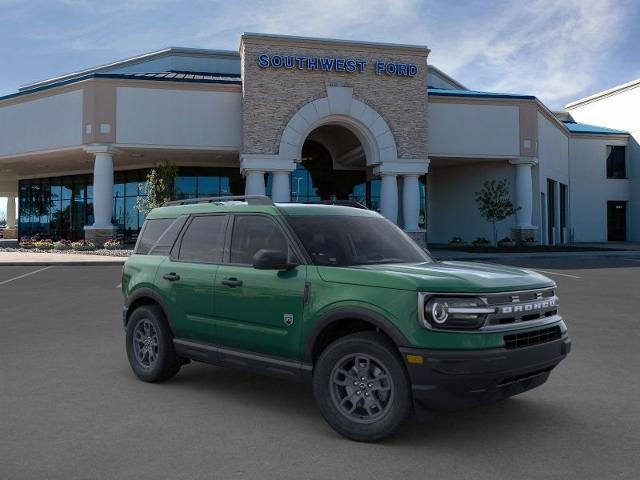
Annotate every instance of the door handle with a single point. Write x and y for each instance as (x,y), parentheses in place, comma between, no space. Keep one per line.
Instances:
(172,277)
(232,282)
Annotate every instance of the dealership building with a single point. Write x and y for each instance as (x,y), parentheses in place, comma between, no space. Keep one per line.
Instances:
(307,120)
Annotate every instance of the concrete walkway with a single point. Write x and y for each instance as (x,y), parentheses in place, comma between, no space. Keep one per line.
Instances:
(32,258)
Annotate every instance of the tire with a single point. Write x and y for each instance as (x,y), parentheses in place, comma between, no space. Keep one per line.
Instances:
(150,345)
(384,400)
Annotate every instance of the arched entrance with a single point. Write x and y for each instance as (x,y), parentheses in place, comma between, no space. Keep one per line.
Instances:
(333,167)
(337,147)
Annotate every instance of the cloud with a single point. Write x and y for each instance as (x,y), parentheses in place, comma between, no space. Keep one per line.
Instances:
(551,49)
(558,50)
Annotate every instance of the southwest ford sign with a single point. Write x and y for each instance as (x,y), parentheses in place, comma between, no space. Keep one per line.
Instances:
(331,64)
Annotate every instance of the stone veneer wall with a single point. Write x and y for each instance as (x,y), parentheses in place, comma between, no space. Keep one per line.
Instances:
(271,96)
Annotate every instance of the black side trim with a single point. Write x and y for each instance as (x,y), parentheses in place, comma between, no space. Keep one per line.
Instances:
(145,292)
(215,355)
(351,313)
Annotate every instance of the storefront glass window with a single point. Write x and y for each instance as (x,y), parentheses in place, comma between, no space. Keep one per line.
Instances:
(60,207)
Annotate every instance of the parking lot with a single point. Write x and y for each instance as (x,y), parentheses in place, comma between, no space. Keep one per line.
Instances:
(70,407)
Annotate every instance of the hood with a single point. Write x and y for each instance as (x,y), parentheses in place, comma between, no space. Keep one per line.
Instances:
(452,277)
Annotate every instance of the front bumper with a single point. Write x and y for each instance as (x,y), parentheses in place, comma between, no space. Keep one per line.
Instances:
(453,379)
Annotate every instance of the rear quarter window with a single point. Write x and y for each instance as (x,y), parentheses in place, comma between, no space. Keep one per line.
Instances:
(158,235)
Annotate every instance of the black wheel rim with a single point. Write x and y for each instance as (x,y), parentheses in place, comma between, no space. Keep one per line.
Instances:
(145,343)
(361,388)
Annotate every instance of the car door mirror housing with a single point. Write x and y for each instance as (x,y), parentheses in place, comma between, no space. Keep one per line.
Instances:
(272,260)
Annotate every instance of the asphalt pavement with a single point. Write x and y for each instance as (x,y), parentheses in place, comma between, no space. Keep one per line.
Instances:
(70,407)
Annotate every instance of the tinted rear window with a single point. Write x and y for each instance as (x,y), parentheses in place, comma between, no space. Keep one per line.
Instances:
(158,235)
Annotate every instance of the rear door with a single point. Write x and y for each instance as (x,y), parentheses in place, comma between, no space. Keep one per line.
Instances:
(259,310)
(187,277)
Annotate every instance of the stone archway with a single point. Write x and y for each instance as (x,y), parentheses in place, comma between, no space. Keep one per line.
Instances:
(340,108)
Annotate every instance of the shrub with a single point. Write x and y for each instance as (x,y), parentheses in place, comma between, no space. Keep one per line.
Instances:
(480,241)
(113,244)
(83,245)
(62,245)
(43,244)
(26,242)
(457,241)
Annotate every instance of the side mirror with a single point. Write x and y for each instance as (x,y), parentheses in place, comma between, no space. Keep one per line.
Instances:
(272,260)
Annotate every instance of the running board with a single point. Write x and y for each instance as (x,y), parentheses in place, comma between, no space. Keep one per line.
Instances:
(224,357)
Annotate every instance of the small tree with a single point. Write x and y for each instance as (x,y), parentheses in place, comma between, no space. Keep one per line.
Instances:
(494,203)
(159,187)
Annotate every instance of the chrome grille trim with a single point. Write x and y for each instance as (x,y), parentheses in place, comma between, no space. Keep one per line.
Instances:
(532,308)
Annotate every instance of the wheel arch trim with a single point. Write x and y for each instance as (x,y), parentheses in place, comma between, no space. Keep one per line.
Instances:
(351,313)
(145,292)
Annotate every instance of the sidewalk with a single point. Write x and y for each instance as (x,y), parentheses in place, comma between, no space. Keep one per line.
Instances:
(32,258)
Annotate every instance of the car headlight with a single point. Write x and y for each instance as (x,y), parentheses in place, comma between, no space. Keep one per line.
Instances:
(455,312)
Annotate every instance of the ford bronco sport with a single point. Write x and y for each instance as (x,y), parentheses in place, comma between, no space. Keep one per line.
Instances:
(338,296)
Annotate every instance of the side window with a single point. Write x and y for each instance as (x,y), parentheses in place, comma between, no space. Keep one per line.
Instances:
(252,233)
(204,239)
(168,238)
(150,234)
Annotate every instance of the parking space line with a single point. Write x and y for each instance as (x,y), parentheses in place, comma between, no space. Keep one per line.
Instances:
(556,273)
(25,275)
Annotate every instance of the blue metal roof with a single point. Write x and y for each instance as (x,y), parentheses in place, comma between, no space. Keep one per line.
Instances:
(444,92)
(575,127)
(188,77)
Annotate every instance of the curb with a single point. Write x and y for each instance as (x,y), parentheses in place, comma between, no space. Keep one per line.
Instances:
(81,263)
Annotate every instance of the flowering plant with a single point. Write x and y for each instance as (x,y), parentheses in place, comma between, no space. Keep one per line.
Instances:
(83,245)
(112,244)
(62,245)
(481,241)
(46,244)
(26,242)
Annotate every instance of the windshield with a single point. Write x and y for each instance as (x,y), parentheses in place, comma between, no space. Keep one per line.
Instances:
(342,241)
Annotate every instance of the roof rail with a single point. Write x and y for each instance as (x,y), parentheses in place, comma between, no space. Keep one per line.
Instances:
(342,203)
(250,199)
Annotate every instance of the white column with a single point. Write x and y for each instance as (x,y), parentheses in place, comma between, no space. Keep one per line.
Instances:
(11,211)
(410,202)
(280,188)
(254,182)
(103,190)
(389,197)
(524,192)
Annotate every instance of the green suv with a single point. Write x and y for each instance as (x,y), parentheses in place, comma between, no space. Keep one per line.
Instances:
(340,297)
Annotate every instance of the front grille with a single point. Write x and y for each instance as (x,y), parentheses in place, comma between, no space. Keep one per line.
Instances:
(521,306)
(534,337)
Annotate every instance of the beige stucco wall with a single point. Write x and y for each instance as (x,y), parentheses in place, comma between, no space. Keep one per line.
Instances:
(272,96)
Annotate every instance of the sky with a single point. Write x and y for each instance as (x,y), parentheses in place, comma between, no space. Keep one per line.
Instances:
(558,50)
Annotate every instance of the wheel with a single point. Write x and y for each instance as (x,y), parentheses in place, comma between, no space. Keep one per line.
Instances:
(150,345)
(361,387)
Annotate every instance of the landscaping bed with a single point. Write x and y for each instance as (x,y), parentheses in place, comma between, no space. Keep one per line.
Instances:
(122,252)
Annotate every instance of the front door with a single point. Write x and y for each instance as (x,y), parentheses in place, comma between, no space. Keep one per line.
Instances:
(258,310)
(187,277)
(617,221)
